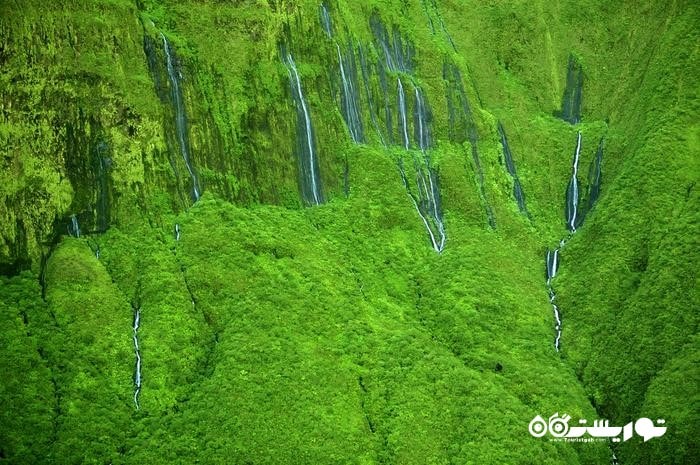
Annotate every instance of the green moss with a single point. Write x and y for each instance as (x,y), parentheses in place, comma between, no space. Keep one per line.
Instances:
(273,333)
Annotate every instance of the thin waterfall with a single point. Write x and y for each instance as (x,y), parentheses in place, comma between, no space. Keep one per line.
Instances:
(422,133)
(180,118)
(73,227)
(307,156)
(326,20)
(552,259)
(388,114)
(397,55)
(574,218)
(426,204)
(137,374)
(403,124)
(572,192)
(350,98)
(551,267)
(427,199)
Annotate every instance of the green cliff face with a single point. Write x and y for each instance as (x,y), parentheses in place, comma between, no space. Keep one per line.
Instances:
(271,331)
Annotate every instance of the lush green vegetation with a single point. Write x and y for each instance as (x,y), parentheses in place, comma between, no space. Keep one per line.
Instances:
(272,333)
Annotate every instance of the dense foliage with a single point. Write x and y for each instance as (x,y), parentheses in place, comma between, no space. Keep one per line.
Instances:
(275,333)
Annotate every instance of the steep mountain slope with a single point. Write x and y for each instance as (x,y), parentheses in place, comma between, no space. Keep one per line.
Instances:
(321,230)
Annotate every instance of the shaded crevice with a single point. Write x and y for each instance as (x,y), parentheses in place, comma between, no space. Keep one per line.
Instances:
(207,369)
(510,166)
(432,4)
(572,99)
(363,393)
(56,409)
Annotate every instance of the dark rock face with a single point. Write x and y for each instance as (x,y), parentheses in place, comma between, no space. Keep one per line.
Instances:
(510,166)
(572,99)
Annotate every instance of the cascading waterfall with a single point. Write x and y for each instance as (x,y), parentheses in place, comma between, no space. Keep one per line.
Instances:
(510,166)
(552,265)
(397,57)
(552,256)
(177,232)
(180,118)
(574,218)
(427,200)
(572,192)
(310,181)
(73,227)
(137,373)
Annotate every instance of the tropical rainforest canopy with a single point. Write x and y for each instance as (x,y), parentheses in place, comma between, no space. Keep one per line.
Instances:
(348,232)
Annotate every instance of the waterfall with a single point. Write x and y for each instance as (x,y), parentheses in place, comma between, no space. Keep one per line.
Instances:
(177,232)
(73,227)
(552,260)
(421,118)
(551,267)
(403,124)
(572,192)
(427,204)
(307,156)
(180,118)
(557,328)
(396,56)
(137,374)
(350,98)
(326,20)
(573,218)
(427,200)
(510,166)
